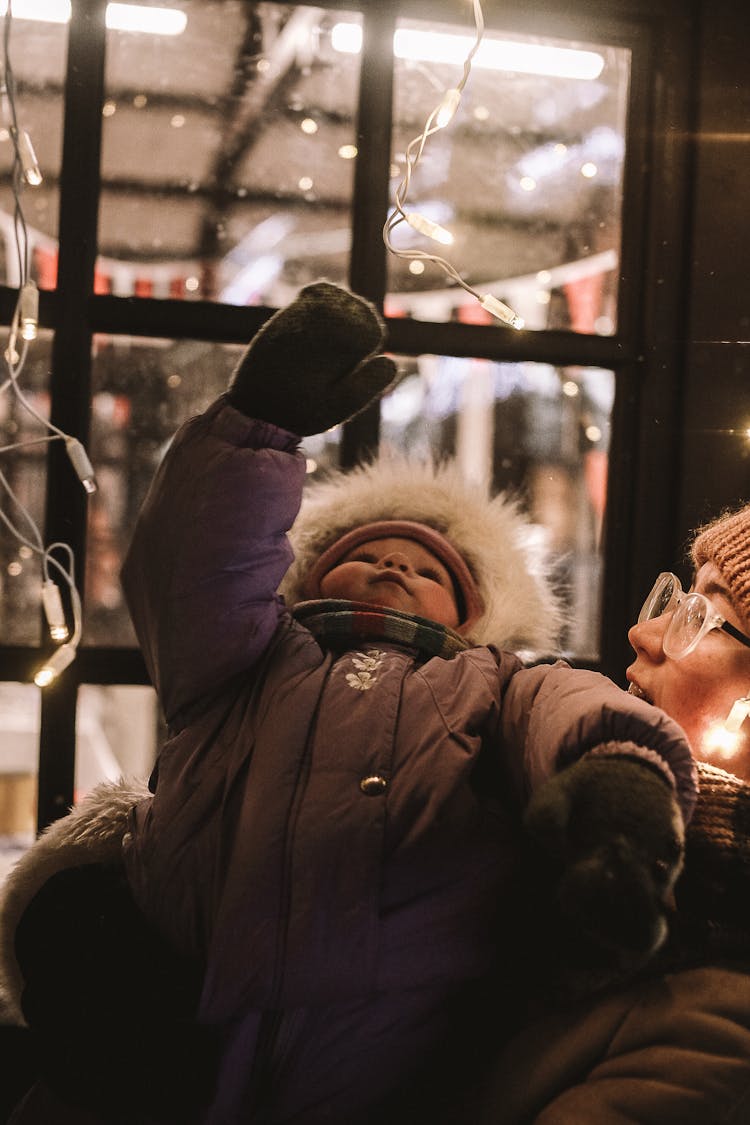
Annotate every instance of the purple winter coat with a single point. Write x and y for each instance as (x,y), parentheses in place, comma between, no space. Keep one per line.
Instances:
(336,922)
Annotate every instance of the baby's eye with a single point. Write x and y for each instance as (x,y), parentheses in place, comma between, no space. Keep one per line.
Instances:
(363,556)
(428,572)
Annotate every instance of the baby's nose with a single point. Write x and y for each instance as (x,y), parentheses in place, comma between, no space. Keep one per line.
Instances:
(397,561)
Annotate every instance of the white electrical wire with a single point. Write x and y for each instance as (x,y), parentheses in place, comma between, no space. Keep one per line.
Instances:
(26,171)
(441,116)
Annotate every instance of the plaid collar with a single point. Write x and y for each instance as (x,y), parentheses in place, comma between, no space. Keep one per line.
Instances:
(339,624)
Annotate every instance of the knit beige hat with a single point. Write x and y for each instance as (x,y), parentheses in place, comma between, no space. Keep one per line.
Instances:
(726,544)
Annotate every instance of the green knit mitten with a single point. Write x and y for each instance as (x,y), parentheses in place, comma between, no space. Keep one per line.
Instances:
(313,365)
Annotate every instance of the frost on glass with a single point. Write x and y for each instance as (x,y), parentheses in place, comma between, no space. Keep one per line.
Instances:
(526,178)
(227,160)
(540,433)
(143,389)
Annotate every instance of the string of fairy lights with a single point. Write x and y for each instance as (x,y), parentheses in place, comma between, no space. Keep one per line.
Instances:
(439,118)
(57,562)
(56,559)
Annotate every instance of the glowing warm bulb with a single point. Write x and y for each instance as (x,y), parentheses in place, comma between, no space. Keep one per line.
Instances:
(720,742)
(427,227)
(57,663)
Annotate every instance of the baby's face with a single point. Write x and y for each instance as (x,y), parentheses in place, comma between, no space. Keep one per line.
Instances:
(397,574)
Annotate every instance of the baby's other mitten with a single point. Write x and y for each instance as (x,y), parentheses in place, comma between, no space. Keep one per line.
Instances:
(313,365)
(607,840)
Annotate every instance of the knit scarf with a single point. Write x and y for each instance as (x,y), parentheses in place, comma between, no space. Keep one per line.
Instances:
(340,624)
(712,921)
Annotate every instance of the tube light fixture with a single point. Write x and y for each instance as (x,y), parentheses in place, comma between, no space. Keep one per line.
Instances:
(493,54)
(119,17)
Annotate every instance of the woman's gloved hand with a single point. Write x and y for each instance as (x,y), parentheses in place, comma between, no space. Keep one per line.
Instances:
(606,839)
(313,365)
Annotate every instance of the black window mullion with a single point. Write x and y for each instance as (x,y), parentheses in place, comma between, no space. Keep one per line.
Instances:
(367,267)
(644,457)
(71,365)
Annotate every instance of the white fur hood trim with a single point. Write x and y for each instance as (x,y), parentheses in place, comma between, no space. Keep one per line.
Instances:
(91,833)
(498,542)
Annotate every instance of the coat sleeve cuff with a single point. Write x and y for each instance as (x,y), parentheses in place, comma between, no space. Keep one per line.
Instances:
(680,774)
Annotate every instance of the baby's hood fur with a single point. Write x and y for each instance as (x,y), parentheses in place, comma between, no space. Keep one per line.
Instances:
(91,833)
(498,542)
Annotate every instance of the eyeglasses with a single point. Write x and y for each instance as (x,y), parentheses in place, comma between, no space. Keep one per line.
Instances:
(692,616)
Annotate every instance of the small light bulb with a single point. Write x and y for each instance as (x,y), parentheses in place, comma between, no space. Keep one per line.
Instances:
(447,109)
(80,462)
(29,163)
(427,227)
(502,311)
(738,714)
(53,609)
(29,310)
(57,663)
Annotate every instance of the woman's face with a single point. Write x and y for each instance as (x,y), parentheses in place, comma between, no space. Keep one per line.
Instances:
(398,574)
(698,691)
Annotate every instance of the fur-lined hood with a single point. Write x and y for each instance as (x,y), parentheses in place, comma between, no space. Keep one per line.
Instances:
(91,833)
(498,542)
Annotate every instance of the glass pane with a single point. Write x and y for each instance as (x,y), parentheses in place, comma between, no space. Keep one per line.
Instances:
(24,470)
(143,390)
(19,754)
(118,733)
(37,55)
(540,432)
(227,155)
(527,177)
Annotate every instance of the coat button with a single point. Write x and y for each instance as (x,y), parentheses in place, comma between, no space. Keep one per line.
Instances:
(373,785)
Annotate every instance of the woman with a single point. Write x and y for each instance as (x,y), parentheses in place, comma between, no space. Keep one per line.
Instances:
(674,1045)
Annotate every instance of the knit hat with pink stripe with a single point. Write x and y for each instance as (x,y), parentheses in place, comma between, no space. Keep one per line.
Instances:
(726,544)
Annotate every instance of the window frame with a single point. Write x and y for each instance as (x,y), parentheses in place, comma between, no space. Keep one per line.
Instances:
(644,353)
